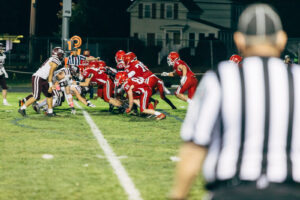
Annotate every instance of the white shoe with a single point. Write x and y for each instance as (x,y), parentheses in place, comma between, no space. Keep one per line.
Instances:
(6,104)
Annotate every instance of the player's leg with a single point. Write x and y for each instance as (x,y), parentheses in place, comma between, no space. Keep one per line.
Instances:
(144,106)
(182,88)
(36,93)
(49,97)
(4,90)
(193,87)
(160,87)
(107,92)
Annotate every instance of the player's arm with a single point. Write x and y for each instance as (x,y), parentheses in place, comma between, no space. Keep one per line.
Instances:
(92,58)
(130,98)
(184,72)
(191,160)
(171,74)
(53,67)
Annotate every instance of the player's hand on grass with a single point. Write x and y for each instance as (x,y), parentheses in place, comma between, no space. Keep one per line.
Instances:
(128,110)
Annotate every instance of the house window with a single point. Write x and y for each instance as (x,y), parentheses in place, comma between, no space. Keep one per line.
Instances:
(140,11)
(153,11)
(167,38)
(176,11)
(169,11)
(135,35)
(201,36)
(211,36)
(162,11)
(192,40)
(159,39)
(176,37)
(150,39)
(147,11)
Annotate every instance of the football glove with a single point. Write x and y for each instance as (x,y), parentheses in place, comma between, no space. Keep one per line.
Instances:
(165,74)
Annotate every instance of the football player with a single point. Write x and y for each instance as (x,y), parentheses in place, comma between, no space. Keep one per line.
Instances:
(119,60)
(135,68)
(42,82)
(99,77)
(139,93)
(188,81)
(3,75)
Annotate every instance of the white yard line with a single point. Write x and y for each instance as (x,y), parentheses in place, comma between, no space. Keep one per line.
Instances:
(124,179)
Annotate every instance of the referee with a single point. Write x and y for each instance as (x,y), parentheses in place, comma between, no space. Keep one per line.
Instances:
(74,60)
(242,127)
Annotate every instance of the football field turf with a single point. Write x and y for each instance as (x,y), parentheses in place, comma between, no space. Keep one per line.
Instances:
(79,168)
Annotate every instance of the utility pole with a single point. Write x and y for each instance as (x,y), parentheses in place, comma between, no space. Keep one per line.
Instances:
(32,29)
(66,15)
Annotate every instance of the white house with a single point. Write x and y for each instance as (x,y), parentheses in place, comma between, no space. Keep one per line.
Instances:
(175,24)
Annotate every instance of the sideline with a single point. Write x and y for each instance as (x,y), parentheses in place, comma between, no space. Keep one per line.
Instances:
(119,170)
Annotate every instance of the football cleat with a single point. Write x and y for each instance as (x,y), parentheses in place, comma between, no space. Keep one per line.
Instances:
(21,103)
(22,112)
(36,108)
(73,111)
(111,108)
(161,116)
(50,114)
(6,104)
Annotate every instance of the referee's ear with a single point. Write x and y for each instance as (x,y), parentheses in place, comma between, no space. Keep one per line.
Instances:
(281,40)
(240,41)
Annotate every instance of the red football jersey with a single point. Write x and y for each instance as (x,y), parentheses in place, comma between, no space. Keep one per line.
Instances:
(179,73)
(98,76)
(139,86)
(138,69)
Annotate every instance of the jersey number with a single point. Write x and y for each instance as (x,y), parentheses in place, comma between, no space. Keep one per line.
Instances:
(144,68)
(138,80)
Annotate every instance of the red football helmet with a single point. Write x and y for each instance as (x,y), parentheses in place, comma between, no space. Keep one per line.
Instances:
(236,58)
(58,52)
(119,55)
(94,64)
(101,64)
(172,58)
(120,78)
(129,57)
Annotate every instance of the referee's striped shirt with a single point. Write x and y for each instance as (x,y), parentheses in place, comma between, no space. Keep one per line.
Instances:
(75,60)
(249,118)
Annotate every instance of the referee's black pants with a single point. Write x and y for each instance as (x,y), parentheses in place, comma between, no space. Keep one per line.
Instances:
(250,192)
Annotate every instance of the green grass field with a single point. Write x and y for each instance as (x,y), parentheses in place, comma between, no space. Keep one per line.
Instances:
(79,169)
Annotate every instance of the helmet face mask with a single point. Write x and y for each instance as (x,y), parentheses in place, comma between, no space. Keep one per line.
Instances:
(58,52)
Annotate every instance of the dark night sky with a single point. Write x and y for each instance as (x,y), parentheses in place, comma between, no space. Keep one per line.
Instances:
(112,20)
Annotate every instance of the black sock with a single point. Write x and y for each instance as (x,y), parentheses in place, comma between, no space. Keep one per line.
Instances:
(169,102)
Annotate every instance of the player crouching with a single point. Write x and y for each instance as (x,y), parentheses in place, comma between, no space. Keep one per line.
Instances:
(139,93)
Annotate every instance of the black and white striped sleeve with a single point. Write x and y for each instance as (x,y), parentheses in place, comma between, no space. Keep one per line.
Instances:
(203,111)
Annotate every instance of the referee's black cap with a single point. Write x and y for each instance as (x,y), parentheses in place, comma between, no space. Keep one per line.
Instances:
(259,20)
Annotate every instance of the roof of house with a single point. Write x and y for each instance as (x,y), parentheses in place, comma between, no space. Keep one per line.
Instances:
(208,23)
(189,4)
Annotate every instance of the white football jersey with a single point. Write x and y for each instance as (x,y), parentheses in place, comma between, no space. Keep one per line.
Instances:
(2,61)
(44,70)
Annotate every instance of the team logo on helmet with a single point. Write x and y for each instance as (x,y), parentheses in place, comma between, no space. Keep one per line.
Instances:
(236,58)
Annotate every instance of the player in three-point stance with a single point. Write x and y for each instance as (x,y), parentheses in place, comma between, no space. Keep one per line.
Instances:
(188,81)
(135,68)
(139,93)
(42,82)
